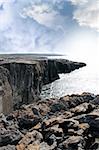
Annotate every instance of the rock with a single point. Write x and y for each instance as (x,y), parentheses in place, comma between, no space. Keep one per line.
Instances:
(83,108)
(58,107)
(95,101)
(65,66)
(25,123)
(75,100)
(50,139)
(94,146)
(45,146)
(27,76)
(47,125)
(44,107)
(33,147)
(33,137)
(50,73)
(51,122)
(41,146)
(8,147)
(68,124)
(6,99)
(73,142)
(36,111)
(9,137)
(58,132)
(83,129)
(93,120)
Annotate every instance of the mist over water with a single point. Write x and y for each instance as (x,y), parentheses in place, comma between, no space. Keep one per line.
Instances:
(85,79)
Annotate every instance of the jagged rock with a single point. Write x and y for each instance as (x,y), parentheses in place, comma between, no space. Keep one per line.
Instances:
(31,138)
(37,127)
(44,107)
(58,132)
(75,100)
(58,107)
(68,123)
(25,123)
(9,136)
(33,147)
(83,129)
(92,119)
(94,146)
(52,121)
(42,146)
(73,142)
(45,146)
(65,66)
(95,101)
(83,108)
(8,147)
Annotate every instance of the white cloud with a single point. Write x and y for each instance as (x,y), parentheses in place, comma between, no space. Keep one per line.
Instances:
(87,13)
(44,14)
(5,16)
(38,25)
(37,29)
(78,2)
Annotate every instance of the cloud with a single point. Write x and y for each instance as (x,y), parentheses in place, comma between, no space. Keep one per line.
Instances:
(5,16)
(87,13)
(29,26)
(45,14)
(41,25)
(42,13)
(78,2)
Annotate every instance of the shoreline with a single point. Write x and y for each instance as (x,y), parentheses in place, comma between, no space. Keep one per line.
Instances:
(22,78)
(70,122)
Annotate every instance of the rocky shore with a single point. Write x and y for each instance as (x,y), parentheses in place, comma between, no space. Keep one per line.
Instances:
(22,78)
(29,123)
(68,123)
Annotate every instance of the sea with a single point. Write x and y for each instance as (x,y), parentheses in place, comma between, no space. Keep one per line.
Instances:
(85,79)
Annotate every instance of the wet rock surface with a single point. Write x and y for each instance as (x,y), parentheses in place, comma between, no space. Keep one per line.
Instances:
(68,123)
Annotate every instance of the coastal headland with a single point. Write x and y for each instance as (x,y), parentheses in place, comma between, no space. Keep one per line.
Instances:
(30,123)
(22,78)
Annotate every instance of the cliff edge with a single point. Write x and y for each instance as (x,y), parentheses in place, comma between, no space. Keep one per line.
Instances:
(21,80)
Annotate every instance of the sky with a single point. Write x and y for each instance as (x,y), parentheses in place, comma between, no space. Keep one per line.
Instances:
(68,27)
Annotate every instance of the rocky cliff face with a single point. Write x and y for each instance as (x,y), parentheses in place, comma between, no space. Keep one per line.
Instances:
(5,91)
(25,82)
(22,80)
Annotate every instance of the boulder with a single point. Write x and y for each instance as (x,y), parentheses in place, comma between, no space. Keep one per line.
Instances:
(31,138)
(73,142)
(8,147)
(83,108)
(11,137)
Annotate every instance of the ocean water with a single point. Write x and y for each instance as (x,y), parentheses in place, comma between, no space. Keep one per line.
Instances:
(85,79)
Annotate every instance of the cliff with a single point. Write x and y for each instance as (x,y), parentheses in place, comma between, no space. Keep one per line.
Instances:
(6,99)
(22,79)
